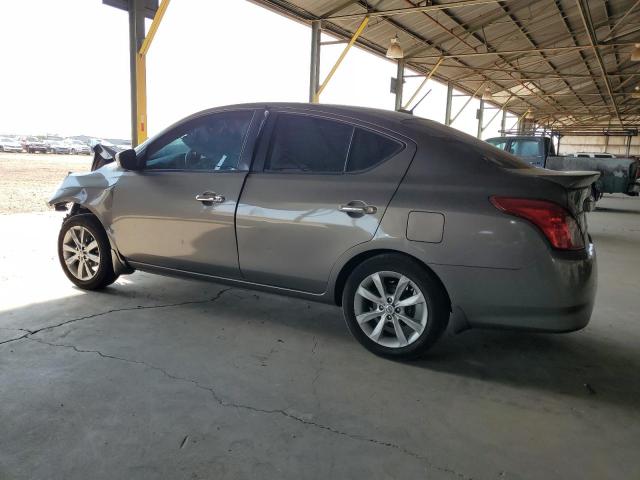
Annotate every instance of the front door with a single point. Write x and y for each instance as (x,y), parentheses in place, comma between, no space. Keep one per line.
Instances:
(319,187)
(178,212)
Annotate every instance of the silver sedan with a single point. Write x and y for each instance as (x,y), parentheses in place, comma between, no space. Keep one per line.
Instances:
(407,224)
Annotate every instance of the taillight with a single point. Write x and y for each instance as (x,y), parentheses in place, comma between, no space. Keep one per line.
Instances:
(557,224)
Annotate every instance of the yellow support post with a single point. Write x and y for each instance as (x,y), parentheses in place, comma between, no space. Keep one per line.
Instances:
(316,96)
(427,78)
(141,72)
(141,97)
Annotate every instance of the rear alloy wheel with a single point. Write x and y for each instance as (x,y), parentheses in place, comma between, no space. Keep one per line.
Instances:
(394,307)
(85,253)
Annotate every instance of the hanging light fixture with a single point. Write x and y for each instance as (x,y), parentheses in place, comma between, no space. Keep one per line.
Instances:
(394,50)
(635,54)
(487,95)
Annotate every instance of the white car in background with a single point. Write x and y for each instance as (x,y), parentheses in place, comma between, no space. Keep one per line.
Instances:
(76,147)
(10,145)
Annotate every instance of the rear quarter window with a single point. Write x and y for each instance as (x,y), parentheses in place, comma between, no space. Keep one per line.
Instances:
(369,149)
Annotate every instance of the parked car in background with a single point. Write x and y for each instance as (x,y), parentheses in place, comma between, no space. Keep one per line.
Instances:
(34,145)
(617,175)
(399,220)
(76,147)
(9,145)
(593,155)
(58,147)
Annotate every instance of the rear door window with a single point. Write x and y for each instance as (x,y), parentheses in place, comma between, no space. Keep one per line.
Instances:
(303,143)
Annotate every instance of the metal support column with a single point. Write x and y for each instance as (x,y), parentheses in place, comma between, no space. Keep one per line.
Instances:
(480,116)
(503,124)
(447,112)
(352,41)
(399,84)
(136,37)
(314,65)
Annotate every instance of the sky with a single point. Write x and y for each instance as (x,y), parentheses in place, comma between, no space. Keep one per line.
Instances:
(65,67)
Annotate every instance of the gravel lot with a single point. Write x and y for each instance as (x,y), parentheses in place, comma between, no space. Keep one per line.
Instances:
(28,180)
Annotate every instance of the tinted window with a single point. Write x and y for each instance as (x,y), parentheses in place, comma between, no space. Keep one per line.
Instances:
(525,148)
(210,143)
(308,144)
(369,149)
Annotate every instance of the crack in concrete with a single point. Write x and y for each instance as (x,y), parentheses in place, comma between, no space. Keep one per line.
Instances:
(30,333)
(282,412)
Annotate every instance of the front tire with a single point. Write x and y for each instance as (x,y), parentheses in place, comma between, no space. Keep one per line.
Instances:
(394,307)
(84,252)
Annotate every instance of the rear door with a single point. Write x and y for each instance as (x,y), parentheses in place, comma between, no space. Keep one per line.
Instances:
(319,186)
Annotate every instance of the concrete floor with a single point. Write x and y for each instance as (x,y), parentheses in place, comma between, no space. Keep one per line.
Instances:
(164,378)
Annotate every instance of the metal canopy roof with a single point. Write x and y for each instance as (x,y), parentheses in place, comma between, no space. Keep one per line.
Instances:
(565,61)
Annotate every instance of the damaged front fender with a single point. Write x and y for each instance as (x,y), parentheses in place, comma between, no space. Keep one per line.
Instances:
(92,191)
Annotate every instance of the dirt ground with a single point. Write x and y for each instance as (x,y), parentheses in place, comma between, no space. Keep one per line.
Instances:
(28,180)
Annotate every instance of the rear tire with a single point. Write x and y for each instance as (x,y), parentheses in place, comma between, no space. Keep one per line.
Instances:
(84,252)
(404,319)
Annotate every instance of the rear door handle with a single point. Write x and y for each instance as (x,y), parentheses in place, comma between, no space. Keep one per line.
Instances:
(209,198)
(358,208)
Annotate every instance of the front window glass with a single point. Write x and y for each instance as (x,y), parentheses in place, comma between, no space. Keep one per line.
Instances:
(211,143)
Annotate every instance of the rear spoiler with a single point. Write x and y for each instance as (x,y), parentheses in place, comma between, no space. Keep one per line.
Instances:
(568,179)
(102,155)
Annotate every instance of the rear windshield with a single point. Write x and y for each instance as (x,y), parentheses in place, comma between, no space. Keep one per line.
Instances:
(505,160)
(487,152)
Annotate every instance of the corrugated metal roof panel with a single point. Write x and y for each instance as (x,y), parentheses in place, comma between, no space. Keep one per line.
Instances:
(537,51)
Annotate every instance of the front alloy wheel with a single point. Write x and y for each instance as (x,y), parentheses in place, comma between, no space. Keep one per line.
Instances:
(81,253)
(85,253)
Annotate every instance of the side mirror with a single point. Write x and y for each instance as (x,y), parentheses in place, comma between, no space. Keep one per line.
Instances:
(128,160)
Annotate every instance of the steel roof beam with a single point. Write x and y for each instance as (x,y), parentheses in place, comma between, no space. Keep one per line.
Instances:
(482,41)
(621,21)
(405,11)
(588,25)
(522,51)
(524,32)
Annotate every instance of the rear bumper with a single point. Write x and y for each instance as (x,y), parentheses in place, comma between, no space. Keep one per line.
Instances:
(551,296)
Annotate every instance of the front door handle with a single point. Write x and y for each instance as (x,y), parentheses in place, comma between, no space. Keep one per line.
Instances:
(209,198)
(358,208)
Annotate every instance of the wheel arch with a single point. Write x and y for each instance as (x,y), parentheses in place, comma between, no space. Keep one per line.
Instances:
(120,264)
(356,260)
